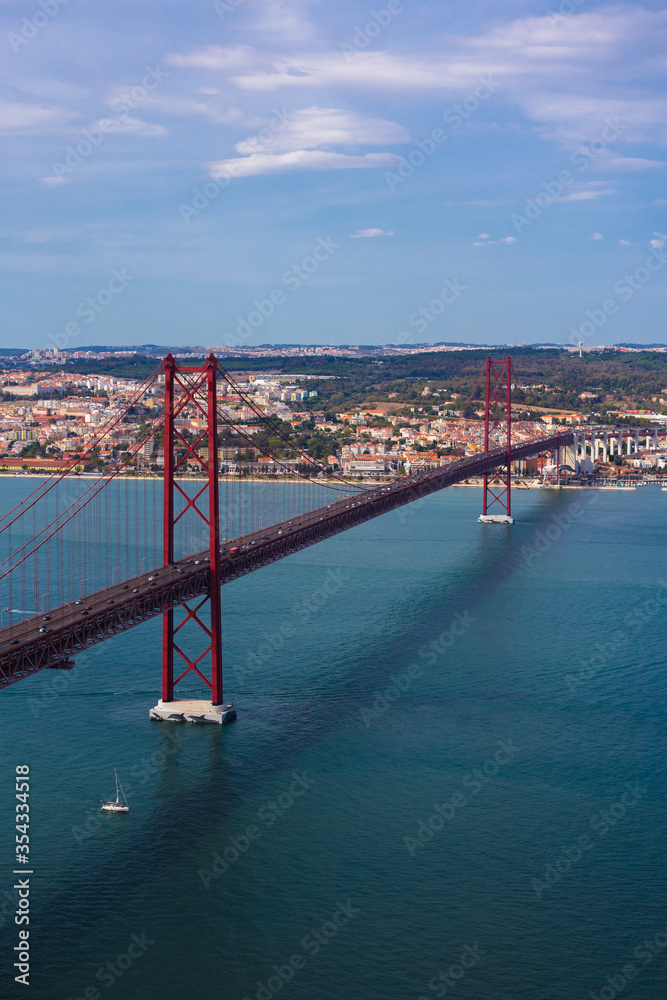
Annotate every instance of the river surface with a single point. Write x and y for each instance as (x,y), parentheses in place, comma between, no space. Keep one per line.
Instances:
(483,818)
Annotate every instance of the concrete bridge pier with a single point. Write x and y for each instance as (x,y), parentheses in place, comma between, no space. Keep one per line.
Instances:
(572,453)
(192,710)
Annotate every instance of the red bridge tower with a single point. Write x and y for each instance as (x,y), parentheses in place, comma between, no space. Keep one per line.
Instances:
(498,412)
(194,388)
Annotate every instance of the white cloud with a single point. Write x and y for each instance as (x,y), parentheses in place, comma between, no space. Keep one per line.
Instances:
(567,78)
(658,243)
(367,233)
(302,140)
(597,236)
(572,117)
(287,19)
(252,70)
(50,89)
(54,181)
(134,126)
(299,159)
(314,128)
(488,242)
(628,163)
(626,243)
(32,119)
(219,57)
(213,106)
(588,194)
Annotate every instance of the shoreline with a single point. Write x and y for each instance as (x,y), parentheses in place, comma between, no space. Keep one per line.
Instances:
(477,484)
(564,486)
(180,479)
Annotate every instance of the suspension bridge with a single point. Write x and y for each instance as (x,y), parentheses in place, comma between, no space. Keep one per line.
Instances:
(84,558)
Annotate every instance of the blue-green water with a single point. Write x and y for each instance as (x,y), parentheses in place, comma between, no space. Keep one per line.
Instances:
(302,819)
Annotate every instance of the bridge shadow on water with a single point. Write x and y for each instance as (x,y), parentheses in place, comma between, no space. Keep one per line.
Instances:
(190,813)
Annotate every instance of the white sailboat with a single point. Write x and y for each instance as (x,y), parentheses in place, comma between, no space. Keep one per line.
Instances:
(117,806)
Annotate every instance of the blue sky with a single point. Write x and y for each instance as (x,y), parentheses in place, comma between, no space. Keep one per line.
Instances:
(325,171)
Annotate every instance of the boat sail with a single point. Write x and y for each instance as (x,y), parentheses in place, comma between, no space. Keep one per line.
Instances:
(117,806)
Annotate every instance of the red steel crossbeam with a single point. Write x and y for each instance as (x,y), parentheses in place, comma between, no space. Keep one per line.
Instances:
(193,613)
(191,503)
(498,395)
(192,664)
(179,391)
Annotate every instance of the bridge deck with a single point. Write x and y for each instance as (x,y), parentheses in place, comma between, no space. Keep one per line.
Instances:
(24,649)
